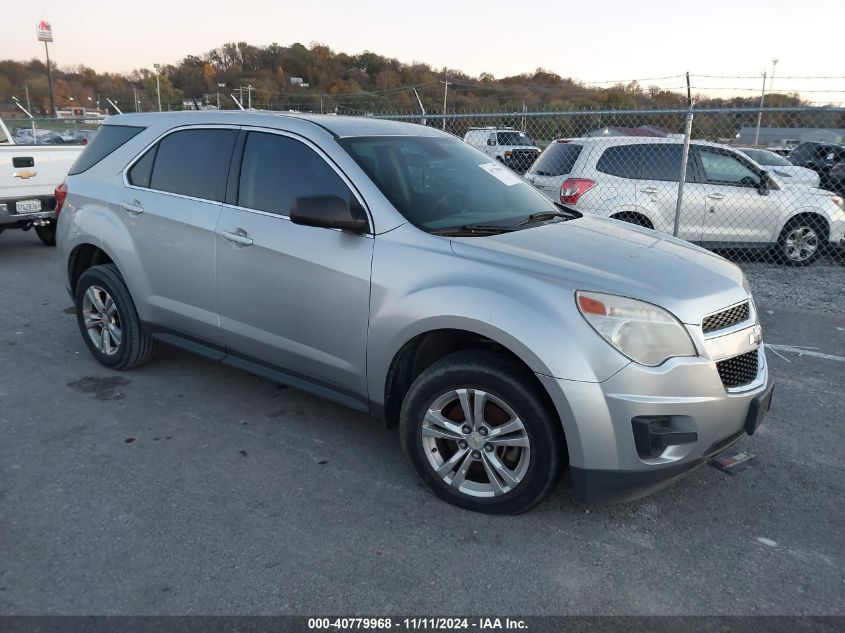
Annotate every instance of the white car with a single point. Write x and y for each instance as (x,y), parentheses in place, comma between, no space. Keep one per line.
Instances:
(781,168)
(729,200)
(511,147)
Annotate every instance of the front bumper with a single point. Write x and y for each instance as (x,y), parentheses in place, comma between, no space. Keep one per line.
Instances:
(686,394)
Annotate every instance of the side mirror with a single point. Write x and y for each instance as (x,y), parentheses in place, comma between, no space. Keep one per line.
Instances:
(765,183)
(329,212)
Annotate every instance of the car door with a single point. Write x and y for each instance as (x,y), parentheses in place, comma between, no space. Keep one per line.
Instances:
(657,190)
(293,297)
(735,210)
(170,205)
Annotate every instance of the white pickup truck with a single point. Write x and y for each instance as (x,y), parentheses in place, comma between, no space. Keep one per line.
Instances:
(29,175)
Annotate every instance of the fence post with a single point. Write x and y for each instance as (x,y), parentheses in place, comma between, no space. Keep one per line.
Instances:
(684,157)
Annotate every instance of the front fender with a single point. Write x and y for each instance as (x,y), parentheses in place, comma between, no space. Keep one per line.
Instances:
(419,290)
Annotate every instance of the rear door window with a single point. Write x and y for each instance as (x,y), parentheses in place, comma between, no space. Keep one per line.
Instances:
(194,163)
(107,139)
(558,159)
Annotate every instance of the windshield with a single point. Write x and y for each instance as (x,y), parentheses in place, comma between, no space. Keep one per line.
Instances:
(513,138)
(439,183)
(763,157)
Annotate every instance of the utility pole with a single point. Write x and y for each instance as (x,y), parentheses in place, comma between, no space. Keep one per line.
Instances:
(135,92)
(760,113)
(158,86)
(321,105)
(772,79)
(445,92)
(249,90)
(28,104)
(422,109)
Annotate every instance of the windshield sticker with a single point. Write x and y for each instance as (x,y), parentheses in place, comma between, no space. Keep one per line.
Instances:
(501,173)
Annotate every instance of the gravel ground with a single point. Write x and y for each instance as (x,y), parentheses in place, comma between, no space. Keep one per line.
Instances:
(187,487)
(821,287)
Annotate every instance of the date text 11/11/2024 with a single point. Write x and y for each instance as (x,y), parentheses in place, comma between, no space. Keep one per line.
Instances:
(417,624)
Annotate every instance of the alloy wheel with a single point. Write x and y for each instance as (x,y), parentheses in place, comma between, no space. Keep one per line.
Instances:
(801,243)
(102,320)
(476,443)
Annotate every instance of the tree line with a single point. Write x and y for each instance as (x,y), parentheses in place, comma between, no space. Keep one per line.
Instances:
(316,78)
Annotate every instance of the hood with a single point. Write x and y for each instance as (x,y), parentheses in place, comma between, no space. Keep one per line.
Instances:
(618,258)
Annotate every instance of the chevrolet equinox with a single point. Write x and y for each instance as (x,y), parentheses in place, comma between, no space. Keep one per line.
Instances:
(394,269)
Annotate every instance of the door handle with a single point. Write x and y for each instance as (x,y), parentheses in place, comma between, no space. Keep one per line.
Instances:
(649,190)
(716,196)
(239,237)
(133,207)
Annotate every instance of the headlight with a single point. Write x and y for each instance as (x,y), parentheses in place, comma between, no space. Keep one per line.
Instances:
(642,331)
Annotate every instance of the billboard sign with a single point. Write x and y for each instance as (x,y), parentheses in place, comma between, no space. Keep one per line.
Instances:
(45,31)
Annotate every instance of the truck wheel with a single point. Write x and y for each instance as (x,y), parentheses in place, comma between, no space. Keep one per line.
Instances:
(477,431)
(108,320)
(47,233)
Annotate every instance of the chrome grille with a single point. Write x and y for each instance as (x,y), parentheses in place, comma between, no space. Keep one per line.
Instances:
(739,370)
(726,318)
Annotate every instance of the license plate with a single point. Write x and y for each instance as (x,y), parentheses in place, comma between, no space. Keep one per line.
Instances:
(759,408)
(28,206)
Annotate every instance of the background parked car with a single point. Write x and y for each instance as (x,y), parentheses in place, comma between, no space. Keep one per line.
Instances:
(728,199)
(782,168)
(512,147)
(837,178)
(820,157)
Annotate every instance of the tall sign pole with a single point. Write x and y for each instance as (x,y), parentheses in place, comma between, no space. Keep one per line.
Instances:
(45,34)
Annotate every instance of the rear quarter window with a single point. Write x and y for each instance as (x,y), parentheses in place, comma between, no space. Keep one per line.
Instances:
(621,160)
(107,139)
(558,159)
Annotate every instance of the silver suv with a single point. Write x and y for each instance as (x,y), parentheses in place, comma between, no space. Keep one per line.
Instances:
(394,269)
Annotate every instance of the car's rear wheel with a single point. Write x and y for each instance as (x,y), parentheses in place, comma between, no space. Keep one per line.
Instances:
(108,320)
(801,241)
(47,233)
(477,430)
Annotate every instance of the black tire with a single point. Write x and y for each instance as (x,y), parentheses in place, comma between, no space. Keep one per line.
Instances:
(47,233)
(135,346)
(812,226)
(511,385)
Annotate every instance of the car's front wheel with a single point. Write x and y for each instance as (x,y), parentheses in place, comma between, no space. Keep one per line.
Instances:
(478,431)
(801,241)
(108,320)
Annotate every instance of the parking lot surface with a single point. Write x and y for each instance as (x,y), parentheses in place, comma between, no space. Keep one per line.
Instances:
(187,487)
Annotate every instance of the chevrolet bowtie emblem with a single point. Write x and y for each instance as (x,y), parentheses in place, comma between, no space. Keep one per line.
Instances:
(25,175)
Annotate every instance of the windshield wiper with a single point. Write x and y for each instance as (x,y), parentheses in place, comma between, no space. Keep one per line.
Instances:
(545,215)
(477,229)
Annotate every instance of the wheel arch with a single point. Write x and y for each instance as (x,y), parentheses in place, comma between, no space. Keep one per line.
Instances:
(82,257)
(635,217)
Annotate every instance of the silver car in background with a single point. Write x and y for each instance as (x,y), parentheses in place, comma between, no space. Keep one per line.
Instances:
(781,168)
(394,269)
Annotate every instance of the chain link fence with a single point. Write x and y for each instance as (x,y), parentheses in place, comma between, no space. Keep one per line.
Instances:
(759,184)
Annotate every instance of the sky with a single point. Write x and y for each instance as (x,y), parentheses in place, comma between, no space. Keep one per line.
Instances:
(592,42)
